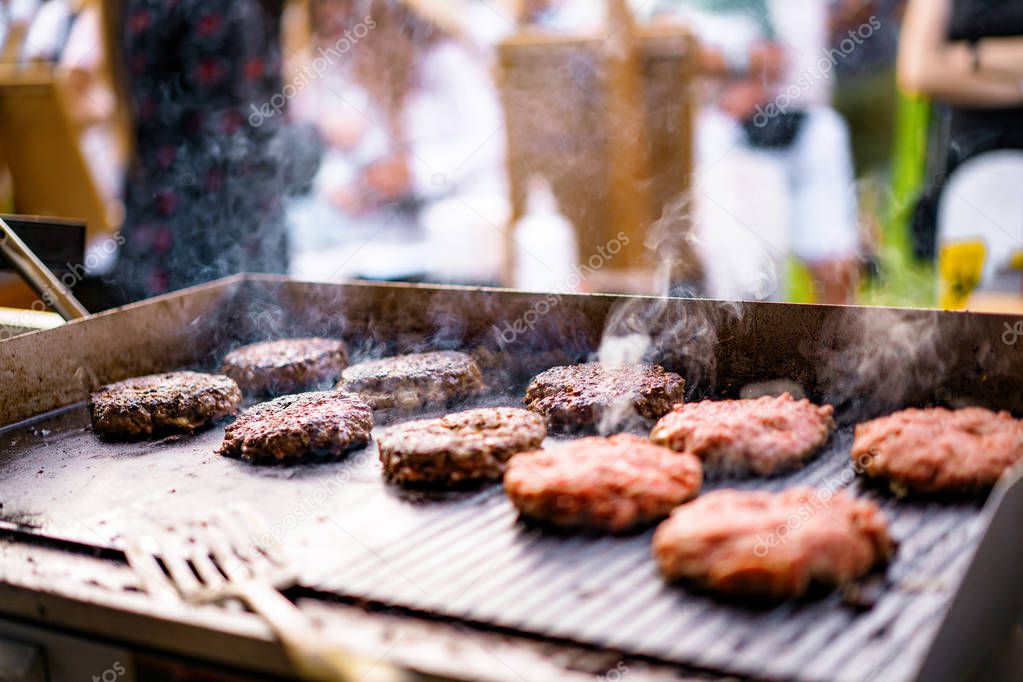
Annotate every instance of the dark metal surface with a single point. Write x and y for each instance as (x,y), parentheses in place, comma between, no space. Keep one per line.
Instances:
(59,243)
(52,290)
(484,564)
(465,555)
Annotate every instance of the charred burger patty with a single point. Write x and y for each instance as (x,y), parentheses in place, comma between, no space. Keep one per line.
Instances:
(773,545)
(763,436)
(937,450)
(579,396)
(465,446)
(408,382)
(294,427)
(286,365)
(607,484)
(176,401)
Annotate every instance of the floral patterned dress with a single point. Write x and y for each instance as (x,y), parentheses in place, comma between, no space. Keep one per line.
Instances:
(203,196)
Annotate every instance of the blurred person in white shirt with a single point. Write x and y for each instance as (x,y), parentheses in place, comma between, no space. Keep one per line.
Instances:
(412,117)
(768,107)
(332,99)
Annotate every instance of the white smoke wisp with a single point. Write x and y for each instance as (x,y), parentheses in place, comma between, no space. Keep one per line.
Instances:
(879,355)
(617,351)
(681,337)
(621,346)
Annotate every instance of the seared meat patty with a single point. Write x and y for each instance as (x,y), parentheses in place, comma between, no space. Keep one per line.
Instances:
(407,382)
(939,450)
(465,446)
(176,401)
(607,484)
(763,436)
(294,427)
(286,365)
(580,396)
(774,545)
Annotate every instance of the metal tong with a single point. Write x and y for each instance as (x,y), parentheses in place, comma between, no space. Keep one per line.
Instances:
(50,289)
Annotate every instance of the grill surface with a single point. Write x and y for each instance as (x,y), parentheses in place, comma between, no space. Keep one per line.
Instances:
(465,555)
(482,563)
(468,556)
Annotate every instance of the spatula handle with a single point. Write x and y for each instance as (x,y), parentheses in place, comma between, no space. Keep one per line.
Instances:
(314,655)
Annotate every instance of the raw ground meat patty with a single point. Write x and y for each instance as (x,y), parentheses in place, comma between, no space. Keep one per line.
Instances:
(763,436)
(407,382)
(773,545)
(936,450)
(286,365)
(608,484)
(176,401)
(294,427)
(578,396)
(465,446)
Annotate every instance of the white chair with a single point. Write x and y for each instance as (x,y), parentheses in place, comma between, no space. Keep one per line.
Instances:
(982,202)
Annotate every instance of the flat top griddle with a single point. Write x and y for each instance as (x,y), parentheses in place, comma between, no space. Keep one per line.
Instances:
(465,555)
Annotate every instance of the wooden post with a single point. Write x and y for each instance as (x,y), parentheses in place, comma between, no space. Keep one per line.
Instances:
(628,163)
(614,140)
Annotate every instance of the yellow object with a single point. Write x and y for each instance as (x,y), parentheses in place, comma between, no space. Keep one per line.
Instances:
(15,321)
(40,142)
(1016,260)
(960,265)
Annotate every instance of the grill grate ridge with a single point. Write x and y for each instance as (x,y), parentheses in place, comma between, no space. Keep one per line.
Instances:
(480,563)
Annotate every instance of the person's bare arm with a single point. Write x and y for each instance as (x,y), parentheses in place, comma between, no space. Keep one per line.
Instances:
(930,64)
(1001,57)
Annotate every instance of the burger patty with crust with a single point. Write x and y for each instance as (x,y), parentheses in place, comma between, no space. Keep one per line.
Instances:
(175,401)
(286,365)
(465,446)
(294,427)
(408,382)
(578,397)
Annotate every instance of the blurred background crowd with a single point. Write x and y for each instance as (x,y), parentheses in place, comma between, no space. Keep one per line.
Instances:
(841,151)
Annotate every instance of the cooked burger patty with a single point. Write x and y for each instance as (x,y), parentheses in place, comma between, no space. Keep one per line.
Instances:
(939,450)
(293,427)
(465,446)
(407,382)
(176,401)
(580,396)
(775,545)
(608,484)
(762,436)
(286,365)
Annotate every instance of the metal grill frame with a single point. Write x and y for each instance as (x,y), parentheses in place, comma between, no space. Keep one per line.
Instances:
(752,342)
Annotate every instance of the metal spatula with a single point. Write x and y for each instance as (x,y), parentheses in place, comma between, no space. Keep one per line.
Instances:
(223,558)
(50,289)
